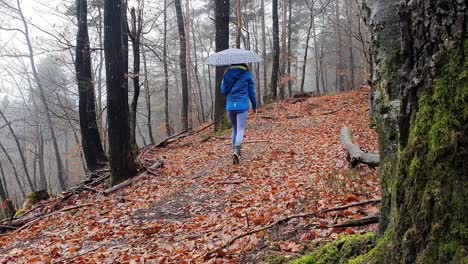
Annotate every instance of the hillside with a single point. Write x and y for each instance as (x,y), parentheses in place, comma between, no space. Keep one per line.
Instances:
(293,163)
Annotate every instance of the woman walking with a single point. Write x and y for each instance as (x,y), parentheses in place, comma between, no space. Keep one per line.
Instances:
(239,87)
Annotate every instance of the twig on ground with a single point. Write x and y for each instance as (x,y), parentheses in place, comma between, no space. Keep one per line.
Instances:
(359,222)
(374,201)
(42,216)
(219,250)
(268,117)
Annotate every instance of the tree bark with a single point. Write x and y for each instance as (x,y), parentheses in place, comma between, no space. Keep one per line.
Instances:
(146,85)
(276,52)
(340,81)
(290,92)
(90,137)
(264,55)
(306,50)
(239,23)
(349,19)
(166,75)
(423,74)
(222,43)
(284,51)
(121,161)
(135,37)
(183,65)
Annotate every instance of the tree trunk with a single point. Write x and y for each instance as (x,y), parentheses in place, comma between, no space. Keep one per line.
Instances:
(147,98)
(349,19)
(90,137)
(183,65)
(135,37)
(15,172)
(340,83)
(239,23)
(284,49)
(5,203)
(197,77)
(290,92)
(20,151)
(121,161)
(100,121)
(222,43)
(318,72)
(276,52)
(166,75)
(264,55)
(424,144)
(60,174)
(306,51)
(192,103)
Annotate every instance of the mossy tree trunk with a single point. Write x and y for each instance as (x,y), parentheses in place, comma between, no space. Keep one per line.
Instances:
(421,112)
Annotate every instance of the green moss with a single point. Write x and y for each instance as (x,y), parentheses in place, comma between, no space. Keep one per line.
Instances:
(275,259)
(429,208)
(19,212)
(225,127)
(339,251)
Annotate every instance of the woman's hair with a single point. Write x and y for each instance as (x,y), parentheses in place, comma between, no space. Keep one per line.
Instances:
(243,65)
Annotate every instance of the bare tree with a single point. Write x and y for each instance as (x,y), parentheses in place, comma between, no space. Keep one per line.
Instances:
(183,65)
(90,138)
(222,43)
(120,158)
(276,52)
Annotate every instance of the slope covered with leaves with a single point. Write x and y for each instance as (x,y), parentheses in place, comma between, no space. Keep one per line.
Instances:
(293,163)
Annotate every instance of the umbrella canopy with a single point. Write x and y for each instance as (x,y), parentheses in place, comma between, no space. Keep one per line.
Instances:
(233,56)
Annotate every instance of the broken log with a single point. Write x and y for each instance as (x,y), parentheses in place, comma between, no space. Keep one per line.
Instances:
(357,154)
(359,222)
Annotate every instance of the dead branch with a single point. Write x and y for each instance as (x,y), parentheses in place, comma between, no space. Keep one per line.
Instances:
(25,223)
(356,154)
(359,222)
(268,117)
(219,250)
(158,164)
(374,201)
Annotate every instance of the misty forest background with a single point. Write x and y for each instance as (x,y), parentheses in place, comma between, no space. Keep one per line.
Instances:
(323,50)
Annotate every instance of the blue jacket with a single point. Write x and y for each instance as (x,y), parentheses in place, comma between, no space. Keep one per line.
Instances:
(238,96)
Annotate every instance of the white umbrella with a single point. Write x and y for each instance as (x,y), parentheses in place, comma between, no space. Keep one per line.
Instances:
(233,56)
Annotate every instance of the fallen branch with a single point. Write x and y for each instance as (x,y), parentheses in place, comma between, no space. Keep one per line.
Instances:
(279,222)
(158,164)
(356,154)
(359,222)
(293,117)
(172,139)
(218,251)
(41,216)
(331,112)
(268,117)
(374,201)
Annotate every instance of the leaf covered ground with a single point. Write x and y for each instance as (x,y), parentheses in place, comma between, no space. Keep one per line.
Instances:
(293,163)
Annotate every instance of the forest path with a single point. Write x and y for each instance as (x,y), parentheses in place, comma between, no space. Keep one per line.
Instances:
(292,162)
